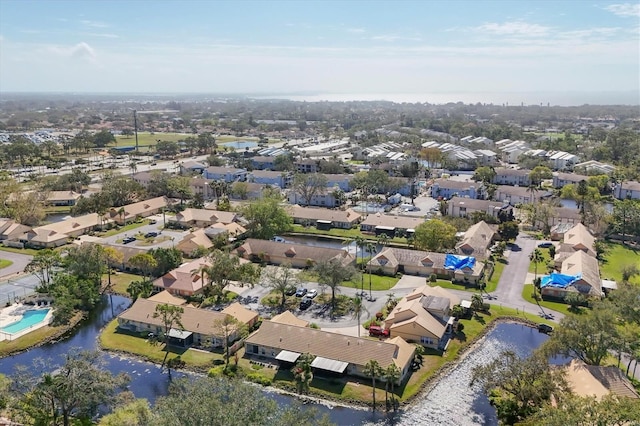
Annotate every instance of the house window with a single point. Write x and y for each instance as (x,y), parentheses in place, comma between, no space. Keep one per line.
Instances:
(426,340)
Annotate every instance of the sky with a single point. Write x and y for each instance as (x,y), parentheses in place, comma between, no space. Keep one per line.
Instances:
(306,47)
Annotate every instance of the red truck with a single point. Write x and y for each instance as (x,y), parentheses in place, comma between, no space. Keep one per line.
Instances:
(377,331)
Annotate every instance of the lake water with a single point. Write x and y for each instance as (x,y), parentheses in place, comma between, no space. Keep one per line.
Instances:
(240,144)
(451,402)
(571,204)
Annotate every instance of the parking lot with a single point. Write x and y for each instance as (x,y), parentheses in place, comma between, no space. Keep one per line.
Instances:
(165,237)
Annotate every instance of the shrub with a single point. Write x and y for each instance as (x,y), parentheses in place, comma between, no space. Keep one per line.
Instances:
(314,325)
(433,278)
(215,371)
(259,379)
(379,316)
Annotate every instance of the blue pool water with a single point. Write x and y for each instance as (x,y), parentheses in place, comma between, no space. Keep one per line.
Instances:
(30,318)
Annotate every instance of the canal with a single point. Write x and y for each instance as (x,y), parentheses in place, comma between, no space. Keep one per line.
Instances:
(452,401)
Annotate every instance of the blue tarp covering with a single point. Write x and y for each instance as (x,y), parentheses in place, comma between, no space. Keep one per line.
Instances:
(454,262)
(558,280)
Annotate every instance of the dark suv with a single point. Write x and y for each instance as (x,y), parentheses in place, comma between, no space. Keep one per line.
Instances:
(305,303)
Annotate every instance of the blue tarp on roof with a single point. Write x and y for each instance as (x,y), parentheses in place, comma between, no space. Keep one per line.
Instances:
(454,262)
(558,280)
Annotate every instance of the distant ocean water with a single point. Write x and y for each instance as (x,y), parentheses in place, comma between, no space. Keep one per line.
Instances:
(630,97)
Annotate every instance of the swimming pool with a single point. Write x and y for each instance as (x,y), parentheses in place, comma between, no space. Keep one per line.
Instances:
(29,318)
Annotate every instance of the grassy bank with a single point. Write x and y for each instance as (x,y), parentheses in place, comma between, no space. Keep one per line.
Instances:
(563,308)
(618,256)
(28,251)
(4,263)
(37,337)
(121,281)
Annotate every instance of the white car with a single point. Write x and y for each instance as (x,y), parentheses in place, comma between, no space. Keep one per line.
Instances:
(312,293)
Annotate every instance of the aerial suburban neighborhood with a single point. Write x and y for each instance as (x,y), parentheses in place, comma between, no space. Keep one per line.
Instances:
(349,261)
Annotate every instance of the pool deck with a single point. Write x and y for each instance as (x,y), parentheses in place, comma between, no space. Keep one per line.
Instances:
(14,313)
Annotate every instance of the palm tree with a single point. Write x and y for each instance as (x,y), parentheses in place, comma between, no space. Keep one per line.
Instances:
(302,372)
(373,370)
(371,249)
(391,376)
(358,310)
(532,189)
(536,257)
(360,244)
(477,304)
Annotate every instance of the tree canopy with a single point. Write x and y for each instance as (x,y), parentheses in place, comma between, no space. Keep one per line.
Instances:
(435,235)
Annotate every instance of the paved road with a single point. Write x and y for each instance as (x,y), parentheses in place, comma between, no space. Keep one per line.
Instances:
(20,261)
(175,234)
(509,290)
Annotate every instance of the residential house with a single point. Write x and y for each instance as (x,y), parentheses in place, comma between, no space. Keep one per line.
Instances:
(233,230)
(203,217)
(322,198)
(226,174)
(62,198)
(198,325)
(56,234)
(265,162)
(512,150)
(423,317)
(306,166)
(561,160)
(251,191)
(477,240)
(579,273)
(324,218)
(519,194)
(447,189)
(595,167)
(298,255)
(627,190)
(10,230)
(334,353)
(513,177)
(203,187)
(464,207)
(144,178)
(267,177)
(186,280)
(391,225)
(242,314)
(287,317)
(131,212)
(189,167)
(561,179)
(128,251)
(391,261)
(578,238)
(340,180)
(167,298)
(561,215)
(486,157)
(598,381)
(194,242)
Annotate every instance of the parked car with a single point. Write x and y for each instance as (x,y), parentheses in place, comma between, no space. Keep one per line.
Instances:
(545,328)
(290,291)
(305,303)
(301,292)
(377,331)
(312,293)
(151,235)
(545,245)
(128,240)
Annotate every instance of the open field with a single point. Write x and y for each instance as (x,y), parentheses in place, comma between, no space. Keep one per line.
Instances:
(146,138)
(617,257)
(121,281)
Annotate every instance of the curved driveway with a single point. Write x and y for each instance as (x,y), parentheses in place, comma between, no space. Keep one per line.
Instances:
(20,261)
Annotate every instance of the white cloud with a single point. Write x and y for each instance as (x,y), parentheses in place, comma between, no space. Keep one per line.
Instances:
(81,51)
(102,35)
(624,9)
(93,24)
(516,28)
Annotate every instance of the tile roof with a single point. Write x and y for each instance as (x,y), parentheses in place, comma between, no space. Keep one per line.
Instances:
(183,278)
(193,319)
(255,247)
(585,265)
(288,318)
(348,216)
(339,347)
(403,222)
(205,215)
(580,238)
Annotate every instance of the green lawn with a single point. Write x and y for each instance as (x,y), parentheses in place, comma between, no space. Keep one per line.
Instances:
(618,256)
(121,281)
(378,282)
(28,251)
(125,228)
(542,266)
(4,263)
(492,284)
(556,306)
(145,138)
(113,339)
